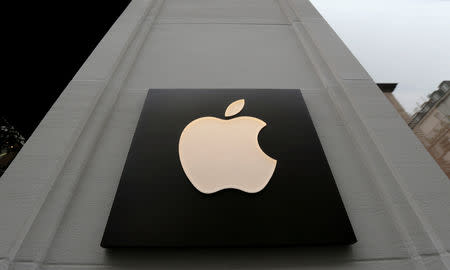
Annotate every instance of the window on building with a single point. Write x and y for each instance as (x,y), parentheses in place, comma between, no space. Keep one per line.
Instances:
(435,97)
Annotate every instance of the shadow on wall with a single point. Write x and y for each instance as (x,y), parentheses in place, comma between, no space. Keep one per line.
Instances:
(253,258)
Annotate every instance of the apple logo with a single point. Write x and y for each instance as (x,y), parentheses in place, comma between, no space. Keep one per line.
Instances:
(217,154)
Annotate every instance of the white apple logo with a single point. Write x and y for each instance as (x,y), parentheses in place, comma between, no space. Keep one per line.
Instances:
(217,154)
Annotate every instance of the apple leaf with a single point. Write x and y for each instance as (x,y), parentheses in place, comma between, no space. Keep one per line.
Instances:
(235,107)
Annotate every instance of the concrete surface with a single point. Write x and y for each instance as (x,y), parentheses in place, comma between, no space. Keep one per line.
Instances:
(56,196)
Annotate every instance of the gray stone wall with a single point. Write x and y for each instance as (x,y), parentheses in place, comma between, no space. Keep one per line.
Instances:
(56,196)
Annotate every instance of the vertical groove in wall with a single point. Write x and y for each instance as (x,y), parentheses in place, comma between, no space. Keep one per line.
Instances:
(331,82)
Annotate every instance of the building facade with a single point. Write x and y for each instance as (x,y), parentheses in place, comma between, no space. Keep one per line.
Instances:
(55,197)
(431,124)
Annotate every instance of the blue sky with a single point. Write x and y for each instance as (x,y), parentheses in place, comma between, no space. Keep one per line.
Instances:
(403,41)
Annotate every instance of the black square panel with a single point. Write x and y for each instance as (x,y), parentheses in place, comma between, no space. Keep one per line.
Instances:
(157,205)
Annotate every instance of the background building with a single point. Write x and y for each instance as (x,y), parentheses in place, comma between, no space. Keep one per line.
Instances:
(55,197)
(431,124)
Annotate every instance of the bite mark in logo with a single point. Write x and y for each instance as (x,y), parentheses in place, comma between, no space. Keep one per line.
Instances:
(217,154)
